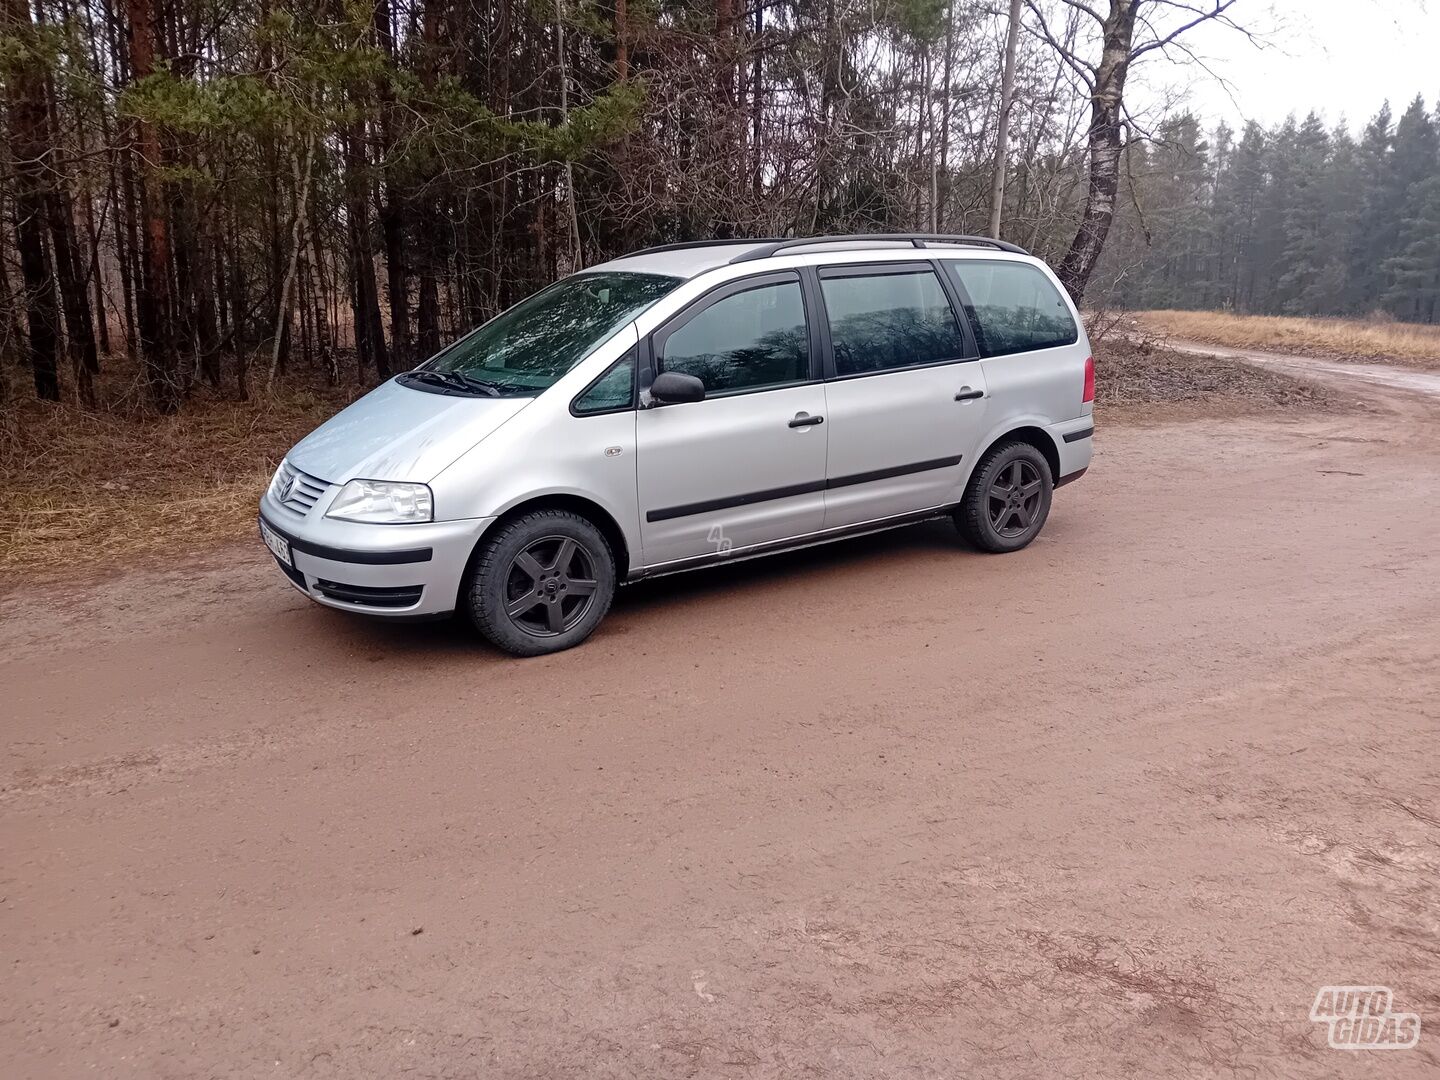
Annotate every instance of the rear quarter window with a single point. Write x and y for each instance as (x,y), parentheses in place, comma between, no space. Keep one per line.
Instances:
(1013,307)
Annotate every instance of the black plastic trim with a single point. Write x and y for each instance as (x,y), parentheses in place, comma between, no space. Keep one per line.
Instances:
(365,558)
(897,470)
(917,240)
(711,505)
(632,355)
(836,271)
(294,575)
(1084,433)
(1072,477)
(397,596)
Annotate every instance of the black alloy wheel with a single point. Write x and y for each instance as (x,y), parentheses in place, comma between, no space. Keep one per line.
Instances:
(541,582)
(1014,498)
(550,587)
(1008,498)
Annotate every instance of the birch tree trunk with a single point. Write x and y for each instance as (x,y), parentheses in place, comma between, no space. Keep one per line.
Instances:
(1104,138)
(1002,132)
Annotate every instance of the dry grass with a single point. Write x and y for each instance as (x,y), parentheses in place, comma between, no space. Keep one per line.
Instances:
(1408,344)
(83,490)
(1142,377)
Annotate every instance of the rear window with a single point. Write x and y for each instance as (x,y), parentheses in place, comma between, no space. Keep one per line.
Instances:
(889,320)
(1013,307)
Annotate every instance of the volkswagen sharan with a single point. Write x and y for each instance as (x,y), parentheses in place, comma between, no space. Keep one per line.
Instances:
(688,405)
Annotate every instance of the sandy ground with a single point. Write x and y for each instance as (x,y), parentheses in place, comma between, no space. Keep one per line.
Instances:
(1113,806)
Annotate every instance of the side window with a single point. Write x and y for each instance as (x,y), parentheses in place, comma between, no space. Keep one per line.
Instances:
(746,341)
(1015,307)
(612,391)
(879,322)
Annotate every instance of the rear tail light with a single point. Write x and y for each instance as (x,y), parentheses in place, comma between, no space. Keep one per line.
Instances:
(1089,394)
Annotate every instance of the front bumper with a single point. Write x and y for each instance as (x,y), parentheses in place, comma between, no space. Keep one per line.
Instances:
(391,570)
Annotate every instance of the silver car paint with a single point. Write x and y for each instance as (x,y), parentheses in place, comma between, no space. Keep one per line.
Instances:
(894,420)
(394,433)
(484,457)
(724,447)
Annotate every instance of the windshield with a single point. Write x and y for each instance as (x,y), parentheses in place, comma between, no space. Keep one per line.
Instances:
(524,350)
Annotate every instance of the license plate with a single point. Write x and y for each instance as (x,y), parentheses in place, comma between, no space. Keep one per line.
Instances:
(278,545)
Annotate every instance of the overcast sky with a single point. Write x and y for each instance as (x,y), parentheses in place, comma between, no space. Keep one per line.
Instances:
(1338,57)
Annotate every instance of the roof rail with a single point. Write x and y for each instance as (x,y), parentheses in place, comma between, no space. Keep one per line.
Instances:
(918,240)
(683,244)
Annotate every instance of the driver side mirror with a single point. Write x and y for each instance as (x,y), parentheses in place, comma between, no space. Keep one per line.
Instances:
(673,388)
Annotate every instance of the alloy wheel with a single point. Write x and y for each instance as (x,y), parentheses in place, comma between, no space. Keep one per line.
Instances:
(550,587)
(1014,498)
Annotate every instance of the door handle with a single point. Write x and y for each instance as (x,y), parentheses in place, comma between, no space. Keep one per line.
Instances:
(966,394)
(805,420)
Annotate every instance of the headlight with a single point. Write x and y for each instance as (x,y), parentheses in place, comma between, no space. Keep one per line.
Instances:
(382,502)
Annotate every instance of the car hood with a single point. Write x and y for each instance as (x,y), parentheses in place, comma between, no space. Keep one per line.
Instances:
(394,433)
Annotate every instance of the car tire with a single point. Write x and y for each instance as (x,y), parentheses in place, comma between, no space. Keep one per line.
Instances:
(541,583)
(995,514)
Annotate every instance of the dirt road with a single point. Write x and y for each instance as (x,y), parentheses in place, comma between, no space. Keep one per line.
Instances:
(1350,372)
(1114,806)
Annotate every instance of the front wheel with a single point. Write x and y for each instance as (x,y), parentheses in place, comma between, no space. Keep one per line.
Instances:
(542,583)
(1008,499)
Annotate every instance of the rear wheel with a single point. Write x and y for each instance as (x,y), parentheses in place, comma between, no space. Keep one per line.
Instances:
(542,583)
(1008,499)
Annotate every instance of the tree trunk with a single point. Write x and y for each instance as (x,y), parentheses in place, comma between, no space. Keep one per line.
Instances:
(1104,138)
(369,328)
(622,43)
(297,236)
(393,207)
(427,315)
(12,336)
(75,297)
(577,258)
(207,334)
(157,345)
(1002,131)
(28,147)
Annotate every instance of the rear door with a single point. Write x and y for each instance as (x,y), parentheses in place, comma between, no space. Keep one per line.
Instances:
(906,397)
(746,465)
(1029,340)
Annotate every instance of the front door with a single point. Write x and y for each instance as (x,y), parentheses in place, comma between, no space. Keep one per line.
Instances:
(746,465)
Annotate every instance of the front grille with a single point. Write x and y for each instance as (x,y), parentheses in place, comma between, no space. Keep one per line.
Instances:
(397,597)
(296,490)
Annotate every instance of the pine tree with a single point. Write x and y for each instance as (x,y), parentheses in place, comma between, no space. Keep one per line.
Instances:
(1312,276)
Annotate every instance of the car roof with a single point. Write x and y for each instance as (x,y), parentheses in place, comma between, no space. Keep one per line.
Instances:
(681,262)
(691,260)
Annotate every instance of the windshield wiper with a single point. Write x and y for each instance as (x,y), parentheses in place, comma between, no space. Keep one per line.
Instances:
(456,380)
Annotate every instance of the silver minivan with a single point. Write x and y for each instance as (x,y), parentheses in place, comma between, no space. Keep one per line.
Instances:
(689,405)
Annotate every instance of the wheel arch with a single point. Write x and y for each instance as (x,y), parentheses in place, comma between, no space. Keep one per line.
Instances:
(587,508)
(1033,434)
